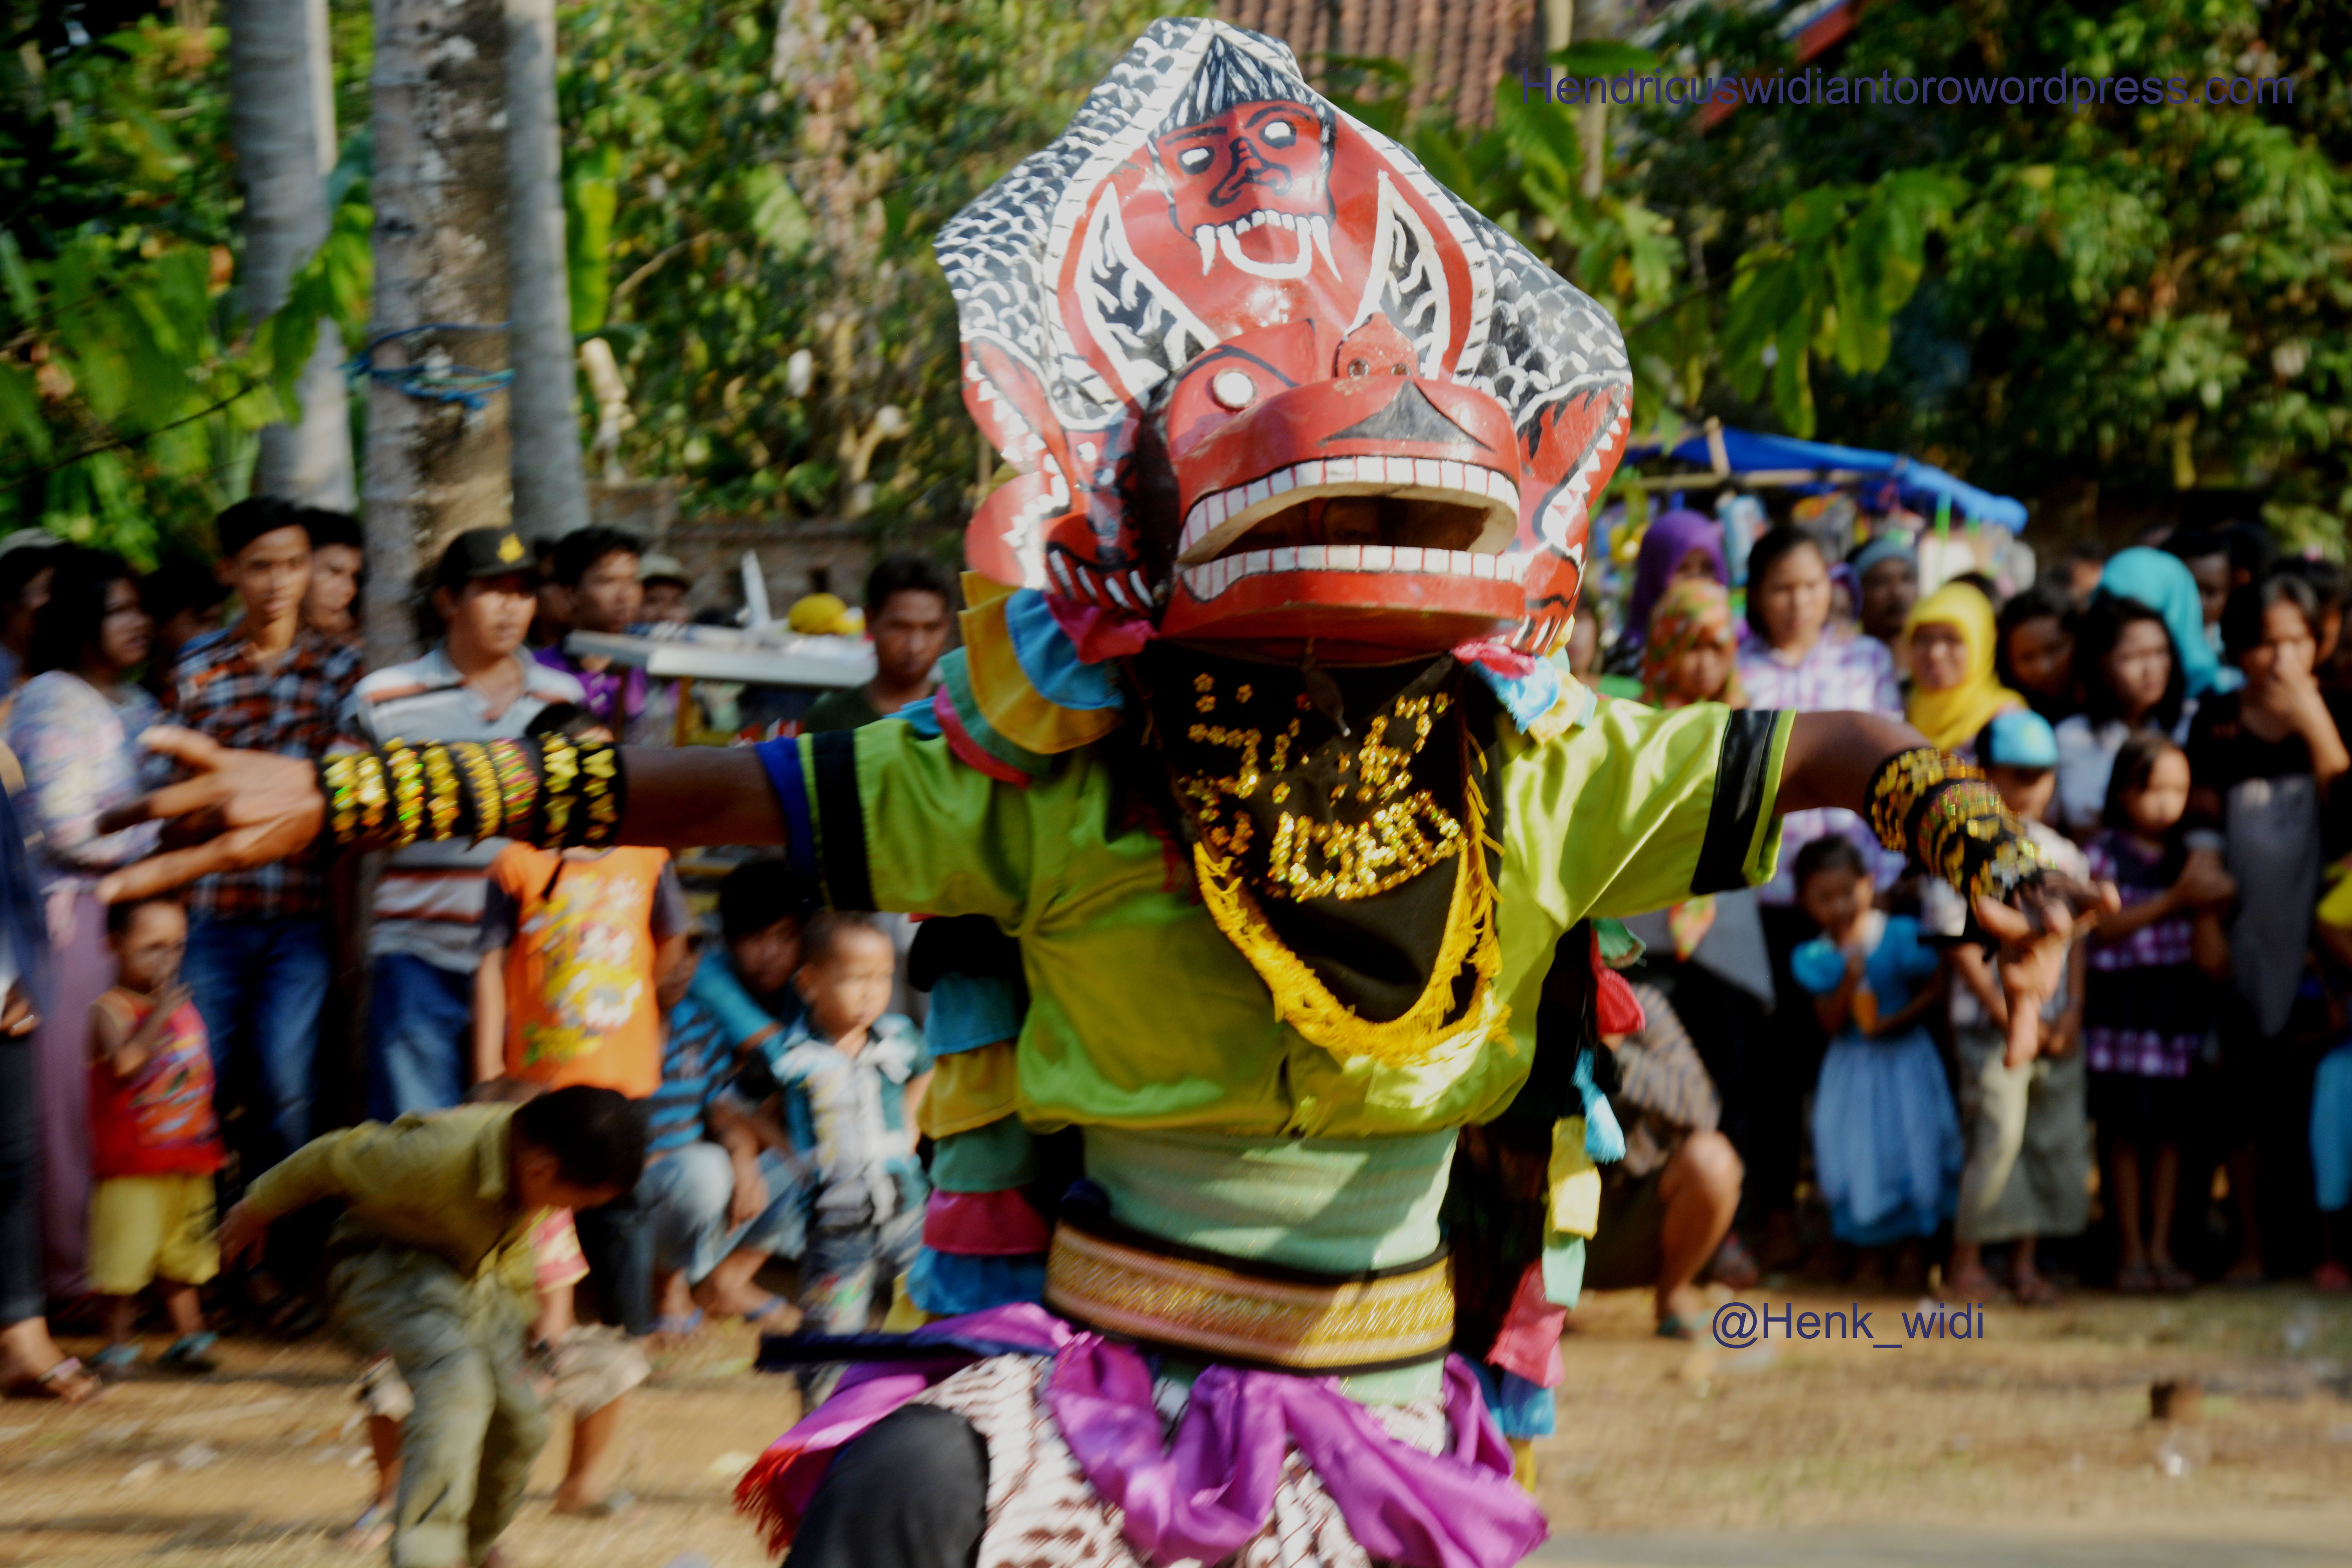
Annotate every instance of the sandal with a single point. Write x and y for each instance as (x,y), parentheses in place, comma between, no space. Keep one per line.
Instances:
(2333,1278)
(67,1383)
(187,1353)
(2173,1279)
(2134,1279)
(1675,1326)
(115,1361)
(680,1327)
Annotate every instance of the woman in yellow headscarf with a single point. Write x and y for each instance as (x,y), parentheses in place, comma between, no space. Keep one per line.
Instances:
(1954,692)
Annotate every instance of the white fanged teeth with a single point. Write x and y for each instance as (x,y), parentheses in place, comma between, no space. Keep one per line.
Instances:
(1217,521)
(1313,239)
(1213,578)
(1318,228)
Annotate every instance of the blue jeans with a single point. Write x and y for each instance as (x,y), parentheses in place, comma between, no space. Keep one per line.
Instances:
(420,1037)
(261,986)
(686,1195)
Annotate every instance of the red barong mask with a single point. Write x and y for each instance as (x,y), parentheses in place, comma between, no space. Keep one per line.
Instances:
(1263,379)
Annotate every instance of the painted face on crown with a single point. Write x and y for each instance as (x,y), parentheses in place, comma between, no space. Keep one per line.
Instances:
(1247,187)
(1262,381)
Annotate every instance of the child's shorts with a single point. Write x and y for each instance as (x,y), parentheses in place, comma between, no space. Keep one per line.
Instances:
(144,1228)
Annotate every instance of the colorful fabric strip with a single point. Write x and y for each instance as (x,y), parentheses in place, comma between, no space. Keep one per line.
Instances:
(949,1284)
(969,751)
(841,820)
(956,681)
(1008,694)
(1050,661)
(987,1159)
(781,758)
(984,1225)
(1746,778)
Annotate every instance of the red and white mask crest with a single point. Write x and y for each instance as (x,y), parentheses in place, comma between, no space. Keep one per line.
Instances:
(1264,380)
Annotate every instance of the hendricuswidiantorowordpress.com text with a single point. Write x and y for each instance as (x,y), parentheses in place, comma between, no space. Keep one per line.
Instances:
(1811,86)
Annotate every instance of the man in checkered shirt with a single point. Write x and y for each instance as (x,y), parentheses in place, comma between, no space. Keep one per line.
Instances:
(260,955)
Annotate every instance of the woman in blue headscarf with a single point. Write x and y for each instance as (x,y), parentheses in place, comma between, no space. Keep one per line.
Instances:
(2163,583)
(1678,544)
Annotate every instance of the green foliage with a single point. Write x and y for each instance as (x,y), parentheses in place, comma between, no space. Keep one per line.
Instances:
(130,384)
(2143,298)
(777,204)
(1847,259)
(592,195)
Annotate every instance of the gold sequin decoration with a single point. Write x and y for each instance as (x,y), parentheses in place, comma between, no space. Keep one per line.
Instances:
(1225,1313)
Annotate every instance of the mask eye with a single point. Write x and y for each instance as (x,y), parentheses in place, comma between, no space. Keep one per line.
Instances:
(1233,388)
(1193,160)
(1278,133)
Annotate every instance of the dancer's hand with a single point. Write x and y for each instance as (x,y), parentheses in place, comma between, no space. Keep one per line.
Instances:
(238,810)
(2035,936)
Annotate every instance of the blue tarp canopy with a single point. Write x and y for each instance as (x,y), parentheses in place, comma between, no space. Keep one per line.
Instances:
(1919,484)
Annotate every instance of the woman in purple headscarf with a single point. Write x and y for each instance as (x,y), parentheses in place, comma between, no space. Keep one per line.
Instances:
(1679,545)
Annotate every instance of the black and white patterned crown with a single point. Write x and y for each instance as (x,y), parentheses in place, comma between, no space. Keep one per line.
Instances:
(1534,340)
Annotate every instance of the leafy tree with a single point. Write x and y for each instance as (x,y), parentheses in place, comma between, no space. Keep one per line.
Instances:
(781,169)
(130,383)
(2151,297)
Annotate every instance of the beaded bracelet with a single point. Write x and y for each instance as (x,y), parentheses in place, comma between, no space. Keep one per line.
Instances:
(517,767)
(549,790)
(482,786)
(1941,812)
(407,770)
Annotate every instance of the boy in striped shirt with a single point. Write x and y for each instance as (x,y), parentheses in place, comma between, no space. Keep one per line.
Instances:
(475,685)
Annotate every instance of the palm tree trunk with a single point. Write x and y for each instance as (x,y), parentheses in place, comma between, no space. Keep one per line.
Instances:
(550,483)
(435,465)
(282,124)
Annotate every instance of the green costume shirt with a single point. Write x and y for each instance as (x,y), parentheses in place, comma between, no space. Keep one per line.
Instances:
(1144,1018)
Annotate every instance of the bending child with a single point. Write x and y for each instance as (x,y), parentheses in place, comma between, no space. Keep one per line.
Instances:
(432,1262)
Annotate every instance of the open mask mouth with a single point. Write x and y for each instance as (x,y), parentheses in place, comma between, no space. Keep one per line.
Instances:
(1313,232)
(1421,516)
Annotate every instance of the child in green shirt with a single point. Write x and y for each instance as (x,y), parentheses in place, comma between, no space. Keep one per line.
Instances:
(432,1263)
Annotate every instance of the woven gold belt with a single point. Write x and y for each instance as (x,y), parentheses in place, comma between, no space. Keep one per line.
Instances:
(1119,1281)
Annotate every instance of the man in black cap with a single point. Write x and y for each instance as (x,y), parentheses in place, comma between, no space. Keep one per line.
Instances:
(475,685)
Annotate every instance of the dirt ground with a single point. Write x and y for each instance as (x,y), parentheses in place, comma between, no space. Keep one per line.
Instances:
(1820,1452)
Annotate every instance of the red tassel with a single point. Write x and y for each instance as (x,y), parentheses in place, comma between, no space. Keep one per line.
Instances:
(761,1495)
(1616,1010)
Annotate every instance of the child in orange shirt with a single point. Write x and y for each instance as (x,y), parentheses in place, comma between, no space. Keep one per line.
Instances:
(573,941)
(154,1144)
(574,944)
